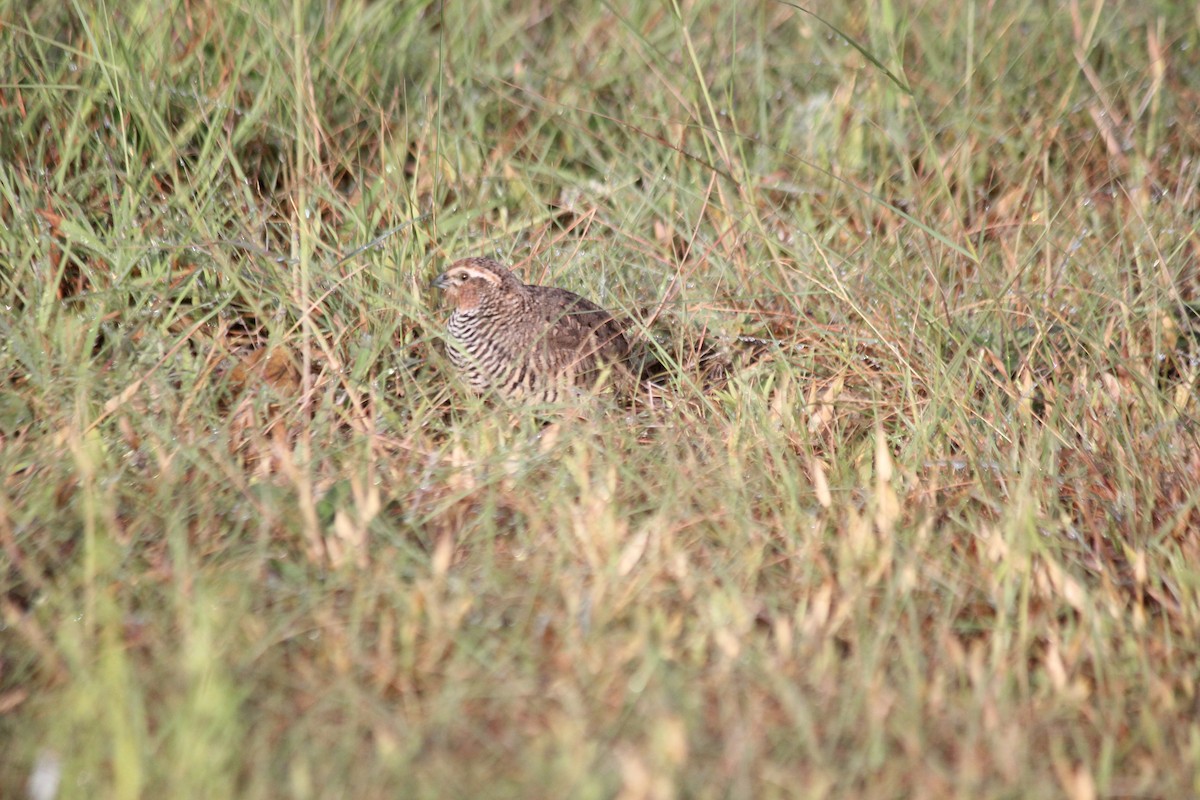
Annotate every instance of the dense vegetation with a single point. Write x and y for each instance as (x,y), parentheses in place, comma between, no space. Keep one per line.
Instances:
(914,512)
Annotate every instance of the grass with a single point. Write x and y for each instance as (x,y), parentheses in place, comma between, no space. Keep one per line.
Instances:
(937,539)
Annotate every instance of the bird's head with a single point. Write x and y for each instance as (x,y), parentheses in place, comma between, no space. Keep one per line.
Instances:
(472,283)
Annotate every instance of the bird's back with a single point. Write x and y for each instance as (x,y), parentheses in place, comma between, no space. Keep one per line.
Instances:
(569,343)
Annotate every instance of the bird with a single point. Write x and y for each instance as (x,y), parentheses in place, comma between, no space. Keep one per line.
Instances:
(528,343)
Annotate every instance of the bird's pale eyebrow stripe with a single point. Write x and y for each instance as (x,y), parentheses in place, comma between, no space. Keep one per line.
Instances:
(487,275)
(473,272)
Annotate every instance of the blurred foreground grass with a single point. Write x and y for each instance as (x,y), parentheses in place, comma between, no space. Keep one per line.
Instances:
(938,539)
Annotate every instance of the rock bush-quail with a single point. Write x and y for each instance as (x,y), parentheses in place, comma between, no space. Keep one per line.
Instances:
(538,344)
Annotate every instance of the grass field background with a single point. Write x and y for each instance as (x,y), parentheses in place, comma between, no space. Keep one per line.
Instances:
(934,535)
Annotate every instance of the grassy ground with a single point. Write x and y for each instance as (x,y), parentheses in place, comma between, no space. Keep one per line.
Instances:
(937,539)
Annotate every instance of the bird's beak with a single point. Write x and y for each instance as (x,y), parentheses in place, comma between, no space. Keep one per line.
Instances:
(441,282)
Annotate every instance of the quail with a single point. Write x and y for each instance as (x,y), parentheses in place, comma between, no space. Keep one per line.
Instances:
(525,343)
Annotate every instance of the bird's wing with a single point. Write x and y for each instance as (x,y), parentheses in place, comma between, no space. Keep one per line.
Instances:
(575,324)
